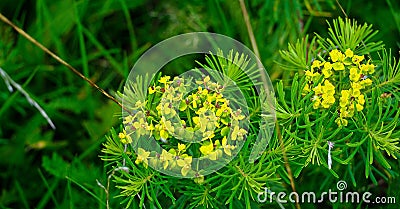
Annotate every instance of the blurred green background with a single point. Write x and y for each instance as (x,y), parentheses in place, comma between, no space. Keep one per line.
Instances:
(46,168)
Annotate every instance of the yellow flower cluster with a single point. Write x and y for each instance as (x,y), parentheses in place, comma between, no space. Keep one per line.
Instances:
(136,125)
(353,74)
(324,95)
(125,138)
(203,116)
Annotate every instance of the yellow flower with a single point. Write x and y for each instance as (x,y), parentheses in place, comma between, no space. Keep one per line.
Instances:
(318,89)
(167,128)
(207,148)
(361,99)
(344,98)
(196,120)
(183,105)
(357,59)
(164,134)
(309,73)
(181,147)
(185,169)
(344,113)
(359,107)
(336,55)
(350,100)
(316,64)
(139,124)
(338,66)
(199,179)
(236,115)
(306,88)
(205,123)
(214,155)
(328,100)
(328,88)
(165,157)
(227,148)
(367,68)
(354,75)
(356,89)
(142,157)
(201,110)
(164,79)
(128,119)
(168,110)
(121,135)
(203,92)
(317,102)
(327,70)
(223,110)
(326,92)
(312,75)
(152,89)
(238,133)
(185,162)
(194,102)
(349,53)
(356,92)
(341,121)
(150,127)
(206,79)
(125,138)
(208,135)
(346,102)
(366,82)
(168,125)
(208,103)
(140,104)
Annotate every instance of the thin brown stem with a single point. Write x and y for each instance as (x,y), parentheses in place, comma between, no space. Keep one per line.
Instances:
(287,166)
(57,58)
(253,42)
(341,8)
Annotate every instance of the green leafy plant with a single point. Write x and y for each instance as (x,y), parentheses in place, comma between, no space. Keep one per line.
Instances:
(339,115)
(46,168)
(210,123)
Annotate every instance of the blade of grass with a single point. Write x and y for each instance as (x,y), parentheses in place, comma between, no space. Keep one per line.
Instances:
(84,188)
(227,26)
(102,49)
(71,202)
(129,25)
(21,194)
(93,148)
(396,16)
(44,11)
(11,99)
(12,84)
(58,59)
(82,45)
(49,194)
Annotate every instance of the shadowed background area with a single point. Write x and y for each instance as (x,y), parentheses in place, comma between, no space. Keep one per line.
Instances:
(46,168)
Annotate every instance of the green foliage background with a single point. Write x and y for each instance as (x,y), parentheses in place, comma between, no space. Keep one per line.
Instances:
(45,168)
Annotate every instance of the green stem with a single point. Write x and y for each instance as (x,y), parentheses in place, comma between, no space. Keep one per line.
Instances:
(189,117)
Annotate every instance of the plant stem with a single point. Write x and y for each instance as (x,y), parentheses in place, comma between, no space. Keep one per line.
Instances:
(287,166)
(189,117)
(253,42)
(58,59)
